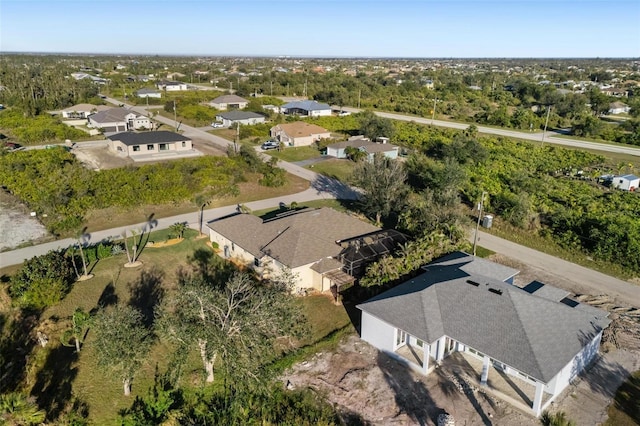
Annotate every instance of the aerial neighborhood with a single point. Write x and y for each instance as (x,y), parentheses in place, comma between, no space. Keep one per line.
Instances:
(204,239)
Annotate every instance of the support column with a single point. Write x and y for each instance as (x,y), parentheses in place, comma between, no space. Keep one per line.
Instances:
(485,371)
(537,401)
(426,350)
(440,354)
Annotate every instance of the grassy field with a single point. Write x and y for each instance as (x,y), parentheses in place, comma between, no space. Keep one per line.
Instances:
(625,410)
(335,168)
(56,374)
(294,154)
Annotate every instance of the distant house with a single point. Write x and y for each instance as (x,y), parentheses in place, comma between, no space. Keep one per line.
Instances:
(615,91)
(137,144)
(82,111)
(118,120)
(305,242)
(230,118)
(626,182)
(229,102)
(618,108)
(371,148)
(171,86)
(148,93)
(273,108)
(534,337)
(299,133)
(84,75)
(306,108)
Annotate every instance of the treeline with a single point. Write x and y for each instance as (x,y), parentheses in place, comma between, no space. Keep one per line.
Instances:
(37,130)
(54,183)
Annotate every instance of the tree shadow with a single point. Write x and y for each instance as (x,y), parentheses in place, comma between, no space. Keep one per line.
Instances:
(335,188)
(209,267)
(412,396)
(17,343)
(147,293)
(107,298)
(52,389)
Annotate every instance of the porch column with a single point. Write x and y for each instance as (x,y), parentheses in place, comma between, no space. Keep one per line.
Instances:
(537,400)
(441,344)
(485,371)
(426,350)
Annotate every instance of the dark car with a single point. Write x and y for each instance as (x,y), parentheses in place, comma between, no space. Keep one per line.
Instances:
(270,145)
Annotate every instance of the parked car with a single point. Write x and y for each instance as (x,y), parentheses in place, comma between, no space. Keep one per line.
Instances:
(270,145)
(11,146)
(216,124)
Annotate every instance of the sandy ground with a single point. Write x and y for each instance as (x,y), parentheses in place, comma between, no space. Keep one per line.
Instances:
(367,385)
(99,157)
(16,224)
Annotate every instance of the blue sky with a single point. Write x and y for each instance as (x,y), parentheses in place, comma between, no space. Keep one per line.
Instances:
(336,28)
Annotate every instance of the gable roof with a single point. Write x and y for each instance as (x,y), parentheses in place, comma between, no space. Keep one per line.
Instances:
(300,129)
(113,115)
(239,115)
(472,265)
(81,108)
(228,99)
(306,105)
(294,240)
(162,136)
(532,334)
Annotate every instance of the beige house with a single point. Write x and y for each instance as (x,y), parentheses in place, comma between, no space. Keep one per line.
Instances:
(307,242)
(118,120)
(299,133)
(82,111)
(139,144)
(229,102)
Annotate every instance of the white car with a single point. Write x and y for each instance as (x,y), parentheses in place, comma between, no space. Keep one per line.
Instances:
(216,124)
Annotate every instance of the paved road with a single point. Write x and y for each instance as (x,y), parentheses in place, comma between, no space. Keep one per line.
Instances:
(590,281)
(622,149)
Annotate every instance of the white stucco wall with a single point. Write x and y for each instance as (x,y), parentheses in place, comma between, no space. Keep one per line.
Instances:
(377,332)
(320,113)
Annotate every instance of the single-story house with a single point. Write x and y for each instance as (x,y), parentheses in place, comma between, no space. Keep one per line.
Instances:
(134,144)
(148,93)
(119,119)
(82,111)
(307,108)
(461,305)
(371,148)
(93,78)
(299,133)
(626,183)
(229,102)
(307,242)
(230,118)
(273,108)
(618,108)
(615,91)
(171,86)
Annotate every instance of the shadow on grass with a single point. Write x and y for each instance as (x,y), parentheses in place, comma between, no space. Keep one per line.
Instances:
(52,389)
(108,297)
(209,267)
(17,342)
(147,293)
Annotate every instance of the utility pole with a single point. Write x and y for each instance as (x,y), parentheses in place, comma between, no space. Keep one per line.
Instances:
(433,113)
(271,91)
(175,115)
(359,94)
(544,132)
(237,140)
(480,207)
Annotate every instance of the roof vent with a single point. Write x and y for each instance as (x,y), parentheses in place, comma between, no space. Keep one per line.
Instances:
(496,291)
(473,283)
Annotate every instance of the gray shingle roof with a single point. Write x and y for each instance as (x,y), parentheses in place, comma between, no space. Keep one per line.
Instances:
(295,240)
(162,136)
(306,105)
(112,115)
(472,266)
(228,99)
(239,115)
(531,334)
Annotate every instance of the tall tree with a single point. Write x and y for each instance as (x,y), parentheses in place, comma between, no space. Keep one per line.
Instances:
(235,323)
(122,342)
(373,126)
(383,181)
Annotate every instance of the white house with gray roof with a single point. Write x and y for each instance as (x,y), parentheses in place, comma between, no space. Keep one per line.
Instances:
(306,108)
(118,120)
(248,118)
(306,242)
(229,102)
(463,304)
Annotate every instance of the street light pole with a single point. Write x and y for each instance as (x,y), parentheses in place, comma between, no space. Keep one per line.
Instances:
(480,207)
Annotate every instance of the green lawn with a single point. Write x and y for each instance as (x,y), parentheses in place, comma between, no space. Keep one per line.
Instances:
(56,373)
(625,410)
(340,169)
(293,154)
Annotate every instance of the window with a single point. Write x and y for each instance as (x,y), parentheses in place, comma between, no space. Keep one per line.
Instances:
(256,262)
(150,147)
(163,147)
(184,144)
(136,148)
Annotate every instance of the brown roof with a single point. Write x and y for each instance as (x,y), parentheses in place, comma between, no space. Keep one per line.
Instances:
(301,129)
(295,240)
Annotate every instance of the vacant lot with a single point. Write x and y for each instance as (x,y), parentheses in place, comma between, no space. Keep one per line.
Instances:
(16,224)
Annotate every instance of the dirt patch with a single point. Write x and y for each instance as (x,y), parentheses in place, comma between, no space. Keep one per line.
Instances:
(99,157)
(17,226)
(167,243)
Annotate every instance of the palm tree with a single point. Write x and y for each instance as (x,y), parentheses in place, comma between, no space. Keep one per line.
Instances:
(557,419)
(17,409)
